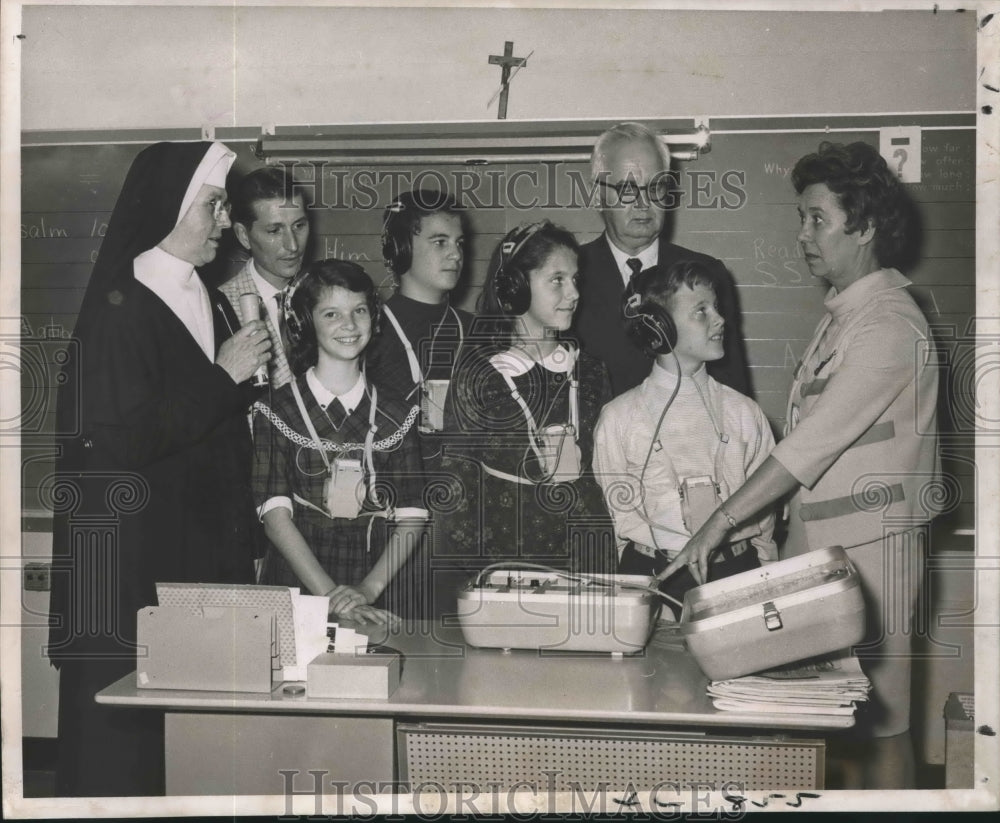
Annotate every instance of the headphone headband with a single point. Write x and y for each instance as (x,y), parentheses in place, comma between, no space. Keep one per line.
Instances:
(516,239)
(510,282)
(296,326)
(648,324)
(395,249)
(399,223)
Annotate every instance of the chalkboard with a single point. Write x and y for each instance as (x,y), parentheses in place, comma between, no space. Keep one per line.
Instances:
(735,202)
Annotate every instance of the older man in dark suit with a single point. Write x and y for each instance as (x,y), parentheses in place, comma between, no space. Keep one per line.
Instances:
(630,165)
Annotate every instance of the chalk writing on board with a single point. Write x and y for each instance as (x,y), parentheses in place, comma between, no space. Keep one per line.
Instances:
(937,309)
(777,263)
(777,169)
(949,167)
(48,331)
(335,248)
(791,358)
(41,229)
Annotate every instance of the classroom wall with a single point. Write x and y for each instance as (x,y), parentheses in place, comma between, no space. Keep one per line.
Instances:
(100,67)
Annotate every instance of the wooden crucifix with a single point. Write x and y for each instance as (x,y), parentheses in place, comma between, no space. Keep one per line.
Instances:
(506,61)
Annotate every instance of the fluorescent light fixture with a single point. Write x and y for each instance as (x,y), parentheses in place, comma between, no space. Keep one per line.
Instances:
(465,143)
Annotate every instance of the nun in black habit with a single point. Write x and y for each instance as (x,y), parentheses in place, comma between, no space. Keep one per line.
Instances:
(152,482)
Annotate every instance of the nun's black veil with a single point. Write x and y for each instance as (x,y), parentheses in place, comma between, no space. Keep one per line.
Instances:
(145,213)
(153,431)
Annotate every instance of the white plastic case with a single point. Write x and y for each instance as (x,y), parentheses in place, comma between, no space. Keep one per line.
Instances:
(780,613)
(526,609)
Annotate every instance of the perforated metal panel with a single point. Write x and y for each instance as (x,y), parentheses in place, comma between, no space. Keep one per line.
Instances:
(277,599)
(561,759)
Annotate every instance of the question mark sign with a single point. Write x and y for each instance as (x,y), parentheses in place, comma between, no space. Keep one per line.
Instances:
(902,155)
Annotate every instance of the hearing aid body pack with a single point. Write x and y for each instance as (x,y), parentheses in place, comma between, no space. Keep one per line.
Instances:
(344,489)
(555,446)
(432,405)
(560,453)
(432,392)
(699,499)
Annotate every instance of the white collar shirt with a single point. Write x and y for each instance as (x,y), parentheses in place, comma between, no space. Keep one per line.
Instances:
(649,257)
(350,399)
(515,362)
(267,293)
(177,284)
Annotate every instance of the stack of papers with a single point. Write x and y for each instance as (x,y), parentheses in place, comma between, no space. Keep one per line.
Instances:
(831,685)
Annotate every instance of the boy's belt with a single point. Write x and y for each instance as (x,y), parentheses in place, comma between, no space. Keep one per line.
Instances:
(728,551)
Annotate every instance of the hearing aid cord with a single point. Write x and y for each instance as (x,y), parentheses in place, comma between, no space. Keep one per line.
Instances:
(722,439)
(534,428)
(645,465)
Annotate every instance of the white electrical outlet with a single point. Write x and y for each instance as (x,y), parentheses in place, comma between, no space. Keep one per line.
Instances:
(37,577)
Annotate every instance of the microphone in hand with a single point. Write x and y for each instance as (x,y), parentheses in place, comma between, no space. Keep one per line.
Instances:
(250,310)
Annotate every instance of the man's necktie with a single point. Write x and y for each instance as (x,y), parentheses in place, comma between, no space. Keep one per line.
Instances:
(635,264)
(280,371)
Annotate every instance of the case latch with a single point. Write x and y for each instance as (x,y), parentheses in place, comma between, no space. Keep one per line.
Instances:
(772,618)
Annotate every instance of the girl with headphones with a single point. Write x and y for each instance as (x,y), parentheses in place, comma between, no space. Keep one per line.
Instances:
(521,414)
(337,468)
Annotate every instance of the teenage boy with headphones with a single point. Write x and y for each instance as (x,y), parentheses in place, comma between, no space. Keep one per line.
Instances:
(423,239)
(681,442)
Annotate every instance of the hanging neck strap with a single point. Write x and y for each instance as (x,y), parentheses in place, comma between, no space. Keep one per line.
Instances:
(308,421)
(416,373)
(721,439)
(574,409)
(369,445)
(369,448)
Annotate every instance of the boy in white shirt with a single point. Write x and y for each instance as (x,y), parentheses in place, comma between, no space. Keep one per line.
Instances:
(670,450)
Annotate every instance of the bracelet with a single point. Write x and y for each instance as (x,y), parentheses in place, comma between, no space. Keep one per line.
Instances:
(732,521)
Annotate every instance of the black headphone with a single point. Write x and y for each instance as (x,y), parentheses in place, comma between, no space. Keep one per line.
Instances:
(510,283)
(300,327)
(647,323)
(397,239)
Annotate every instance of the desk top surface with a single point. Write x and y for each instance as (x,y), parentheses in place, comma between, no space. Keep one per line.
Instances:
(444,678)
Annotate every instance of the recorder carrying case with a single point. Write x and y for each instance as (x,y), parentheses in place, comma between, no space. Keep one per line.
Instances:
(783,612)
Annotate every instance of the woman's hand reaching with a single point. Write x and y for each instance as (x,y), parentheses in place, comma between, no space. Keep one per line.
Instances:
(696,554)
